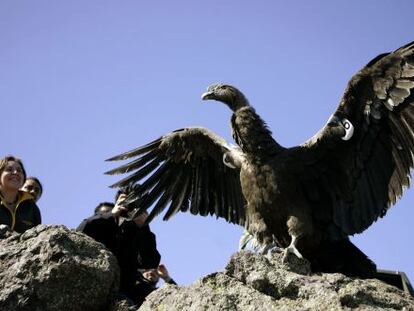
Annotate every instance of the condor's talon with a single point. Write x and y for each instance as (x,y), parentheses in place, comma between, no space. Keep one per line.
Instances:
(269,249)
(291,249)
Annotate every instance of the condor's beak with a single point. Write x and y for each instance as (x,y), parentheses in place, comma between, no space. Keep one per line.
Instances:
(207,96)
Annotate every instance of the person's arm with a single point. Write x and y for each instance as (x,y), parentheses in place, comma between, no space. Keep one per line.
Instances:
(147,246)
(149,257)
(171,281)
(163,273)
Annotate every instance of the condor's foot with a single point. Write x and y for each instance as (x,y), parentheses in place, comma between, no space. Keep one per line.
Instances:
(269,249)
(291,249)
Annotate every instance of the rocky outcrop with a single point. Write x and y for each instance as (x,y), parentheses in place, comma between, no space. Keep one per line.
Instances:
(54,268)
(255,282)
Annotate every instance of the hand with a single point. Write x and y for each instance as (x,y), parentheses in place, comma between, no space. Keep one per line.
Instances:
(163,272)
(141,218)
(119,207)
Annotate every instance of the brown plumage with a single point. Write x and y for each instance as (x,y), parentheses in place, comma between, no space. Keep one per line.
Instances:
(308,198)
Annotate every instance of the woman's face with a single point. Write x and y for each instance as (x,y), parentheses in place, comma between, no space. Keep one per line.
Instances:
(12,176)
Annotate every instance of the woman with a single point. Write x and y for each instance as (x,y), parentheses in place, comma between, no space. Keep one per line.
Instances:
(17,208)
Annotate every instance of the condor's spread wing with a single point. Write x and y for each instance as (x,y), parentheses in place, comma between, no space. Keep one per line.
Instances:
(359,164)
(185,170)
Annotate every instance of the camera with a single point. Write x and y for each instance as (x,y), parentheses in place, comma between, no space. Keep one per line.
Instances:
(132,201)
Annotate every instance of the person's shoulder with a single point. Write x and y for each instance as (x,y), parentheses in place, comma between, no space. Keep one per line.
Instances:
(106,220)
(104,217)
(25,199)
(24,196)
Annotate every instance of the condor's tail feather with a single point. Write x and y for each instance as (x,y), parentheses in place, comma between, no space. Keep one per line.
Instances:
(344,257)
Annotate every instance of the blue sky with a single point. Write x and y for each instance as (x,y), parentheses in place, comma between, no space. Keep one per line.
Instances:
(81,81)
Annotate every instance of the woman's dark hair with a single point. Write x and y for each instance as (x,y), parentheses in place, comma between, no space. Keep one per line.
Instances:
(10,158)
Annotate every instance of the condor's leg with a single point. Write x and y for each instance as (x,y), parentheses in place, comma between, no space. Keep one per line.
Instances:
(298,227)
(263,238)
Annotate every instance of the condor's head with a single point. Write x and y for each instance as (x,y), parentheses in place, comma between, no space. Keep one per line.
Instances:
(227,94)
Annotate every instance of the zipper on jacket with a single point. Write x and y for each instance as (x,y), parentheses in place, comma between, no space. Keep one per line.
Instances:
(23,197)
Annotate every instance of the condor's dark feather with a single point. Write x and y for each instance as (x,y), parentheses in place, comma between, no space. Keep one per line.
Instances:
(135,164)
(195,196)
(403,139)
(138,175)
(156,176)
(160,187)
(165,198)
(179,196)
(204,190)
(199,153)
(221,198)
(137,151)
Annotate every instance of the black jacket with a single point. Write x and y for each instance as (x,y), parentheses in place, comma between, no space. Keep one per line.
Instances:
(134,247)
(25,216)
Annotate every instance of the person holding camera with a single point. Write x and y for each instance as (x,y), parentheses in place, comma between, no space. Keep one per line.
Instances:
(131,241)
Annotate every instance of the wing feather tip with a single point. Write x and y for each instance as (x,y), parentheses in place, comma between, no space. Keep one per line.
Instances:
(115,158)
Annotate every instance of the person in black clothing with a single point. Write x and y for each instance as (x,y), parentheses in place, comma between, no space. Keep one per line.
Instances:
(18,210)
(132,243)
